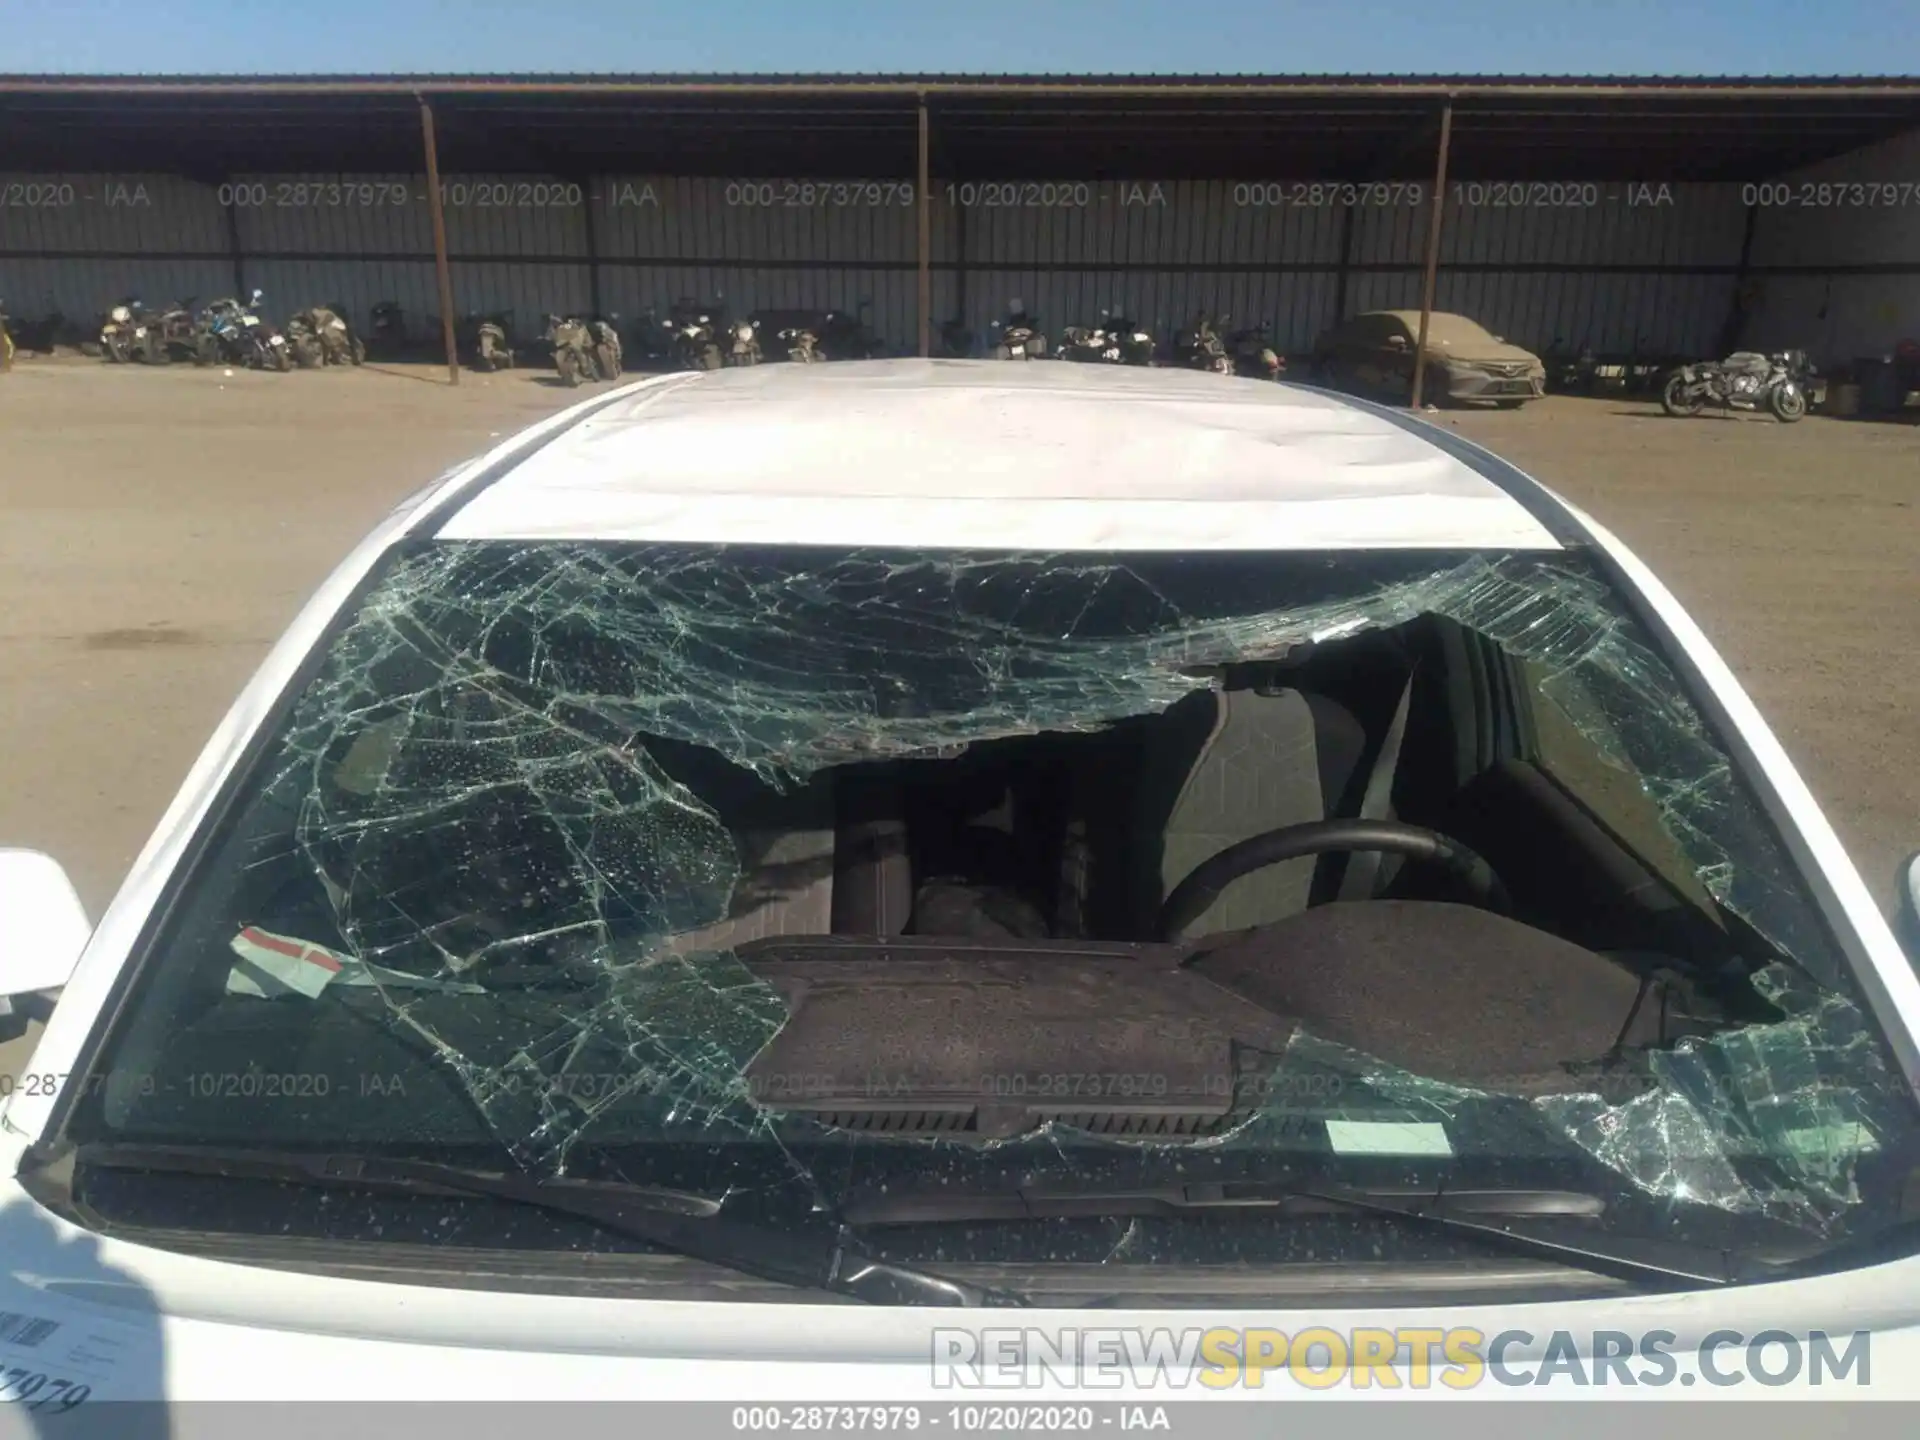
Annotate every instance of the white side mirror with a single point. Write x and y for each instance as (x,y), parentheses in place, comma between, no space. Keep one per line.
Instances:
(43,926)
(1906,906)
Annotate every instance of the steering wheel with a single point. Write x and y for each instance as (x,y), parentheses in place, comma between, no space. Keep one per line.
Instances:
(1203,884)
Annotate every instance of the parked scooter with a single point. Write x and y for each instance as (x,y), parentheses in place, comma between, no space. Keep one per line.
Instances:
(1201,348)
(573,350)
(485,340)
(1253,354)
(1745,380)
(1018,336)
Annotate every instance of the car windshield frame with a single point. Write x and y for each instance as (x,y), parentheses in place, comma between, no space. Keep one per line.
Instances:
(247,777)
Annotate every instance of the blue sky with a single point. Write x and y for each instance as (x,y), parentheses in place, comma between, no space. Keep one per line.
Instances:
(1728,37)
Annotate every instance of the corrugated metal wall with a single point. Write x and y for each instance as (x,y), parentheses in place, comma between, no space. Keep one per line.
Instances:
(1154,252)
(1618,269)
(1862,210)
(156,236)
(760,244)
(1608,273)
(1569,267)
(518,243)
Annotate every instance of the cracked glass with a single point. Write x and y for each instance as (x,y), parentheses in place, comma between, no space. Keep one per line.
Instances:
(482,858)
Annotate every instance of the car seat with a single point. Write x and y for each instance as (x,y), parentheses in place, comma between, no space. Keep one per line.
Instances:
(785,883)
(1226,765)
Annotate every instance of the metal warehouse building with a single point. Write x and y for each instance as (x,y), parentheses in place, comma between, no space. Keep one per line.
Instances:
(1629,215)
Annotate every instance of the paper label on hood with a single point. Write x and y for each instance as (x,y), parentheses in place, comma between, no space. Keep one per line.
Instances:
(56,1356)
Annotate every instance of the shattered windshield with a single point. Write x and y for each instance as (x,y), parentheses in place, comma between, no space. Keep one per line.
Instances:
(842,869)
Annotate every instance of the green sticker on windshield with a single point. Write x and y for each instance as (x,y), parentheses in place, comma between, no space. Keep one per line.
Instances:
(1388,1137)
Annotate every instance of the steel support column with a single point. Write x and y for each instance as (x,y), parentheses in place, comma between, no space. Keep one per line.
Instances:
(925,182)
(1739,304)
(442,272)
(591,228)
(233,248)
(960,265)
(1346,259)
(1433,254)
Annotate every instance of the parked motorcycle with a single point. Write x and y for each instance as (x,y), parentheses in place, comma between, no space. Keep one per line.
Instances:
(1116,340)
(331,340)
(234,332)
(37,336)
(843,335)
(802,345)
(648,343)
(742,344)
(693,333)
(174,334)
(607,352)
(1087,345)
(1745,380)
(956,340)
(573,349)
(1201,347)
(387,331)
(1018,336)
(125,327)
(1571,371)
(1134,339)
(303,339)
(1253,354)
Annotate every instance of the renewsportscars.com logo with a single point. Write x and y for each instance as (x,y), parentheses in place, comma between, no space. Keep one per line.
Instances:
(1404,1358)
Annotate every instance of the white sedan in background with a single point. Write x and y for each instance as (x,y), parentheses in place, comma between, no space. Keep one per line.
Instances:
(1151,852)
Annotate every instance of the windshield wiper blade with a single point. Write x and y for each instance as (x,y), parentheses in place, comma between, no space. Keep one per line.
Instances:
(1535,1223)
(683,1222)
(943,1206)
(1639,1260)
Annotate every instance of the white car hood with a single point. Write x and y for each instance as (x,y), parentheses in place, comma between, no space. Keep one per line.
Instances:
(966,453)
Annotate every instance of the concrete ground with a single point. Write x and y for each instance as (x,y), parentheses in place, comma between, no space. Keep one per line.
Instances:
(158,528)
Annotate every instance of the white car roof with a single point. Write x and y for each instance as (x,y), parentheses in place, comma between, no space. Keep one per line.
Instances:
(992,455)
